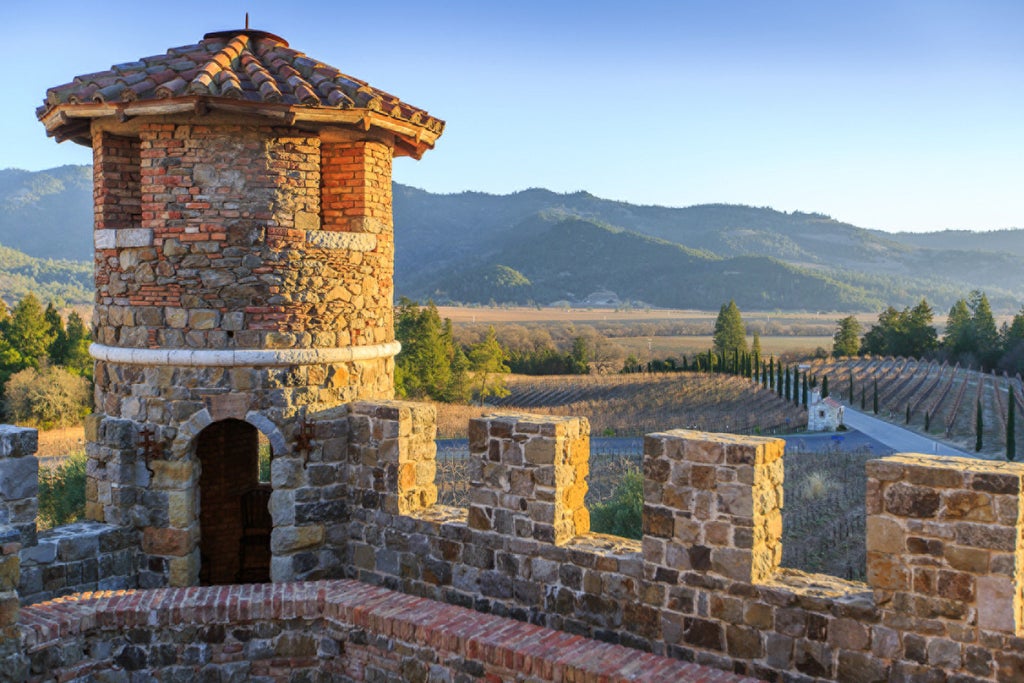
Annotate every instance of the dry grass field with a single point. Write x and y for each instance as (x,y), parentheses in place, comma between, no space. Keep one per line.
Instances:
(523,314)
(63,441)
(663,347)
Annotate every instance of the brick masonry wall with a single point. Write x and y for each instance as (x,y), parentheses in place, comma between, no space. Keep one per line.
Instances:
(306,631)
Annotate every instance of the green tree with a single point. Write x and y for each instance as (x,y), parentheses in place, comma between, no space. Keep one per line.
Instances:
(423,368)
(28,332)
(983,327)
(874,401)
(883,337)
(907,333)
(958,337)
(46,398)
(804,392)
(70,346)
(730,333)
(54,323)
(846,340)
(788,392)
(920,335)
(487,363)
(458,389)
(824,386)
(771,373)
(580,357)
(755,345)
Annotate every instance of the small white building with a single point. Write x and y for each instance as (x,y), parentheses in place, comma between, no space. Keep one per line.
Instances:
(823,414)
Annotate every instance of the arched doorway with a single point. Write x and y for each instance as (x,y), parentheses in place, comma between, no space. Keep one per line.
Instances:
(234,520)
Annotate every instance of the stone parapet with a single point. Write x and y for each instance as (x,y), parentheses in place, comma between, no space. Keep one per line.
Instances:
(311,631)
(528,476)
(392,455)
(83,556)
(945,558)
(10,546)
(19,481)
(713,502)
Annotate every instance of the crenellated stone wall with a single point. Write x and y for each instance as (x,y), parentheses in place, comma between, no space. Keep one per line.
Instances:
(705,585)
(943,599)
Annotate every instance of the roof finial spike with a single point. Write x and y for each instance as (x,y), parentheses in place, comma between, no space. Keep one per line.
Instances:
(246,21)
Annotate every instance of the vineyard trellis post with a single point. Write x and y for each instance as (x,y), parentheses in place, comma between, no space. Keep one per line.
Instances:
(979,425)
(1011,436)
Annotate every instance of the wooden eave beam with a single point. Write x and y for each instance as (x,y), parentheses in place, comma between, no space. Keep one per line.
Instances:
(416,139)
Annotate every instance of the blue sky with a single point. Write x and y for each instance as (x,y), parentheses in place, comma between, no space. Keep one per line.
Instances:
(895,115)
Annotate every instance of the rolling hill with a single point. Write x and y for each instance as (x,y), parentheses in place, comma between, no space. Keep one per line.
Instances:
(540,246)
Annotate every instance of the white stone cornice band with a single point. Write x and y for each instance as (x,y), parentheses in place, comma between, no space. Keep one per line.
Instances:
(241,357)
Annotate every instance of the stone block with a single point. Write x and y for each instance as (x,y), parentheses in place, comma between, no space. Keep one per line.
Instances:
(19,478)
(292,538)
(133,237)
(884,535)
(997,604)
(905,500)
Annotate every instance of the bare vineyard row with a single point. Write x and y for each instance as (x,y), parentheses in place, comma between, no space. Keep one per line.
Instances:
(636,404)
(948,396)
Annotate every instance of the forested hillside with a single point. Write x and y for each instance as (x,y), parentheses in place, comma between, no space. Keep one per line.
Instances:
(539,246)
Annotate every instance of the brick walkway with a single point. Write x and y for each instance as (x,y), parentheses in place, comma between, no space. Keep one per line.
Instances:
(500,644)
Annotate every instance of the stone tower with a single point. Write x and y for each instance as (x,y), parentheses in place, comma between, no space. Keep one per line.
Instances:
(243,265)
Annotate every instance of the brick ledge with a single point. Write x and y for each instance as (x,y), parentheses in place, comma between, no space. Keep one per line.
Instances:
(490,639)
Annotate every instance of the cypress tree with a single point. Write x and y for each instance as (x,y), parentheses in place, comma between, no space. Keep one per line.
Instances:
(874,401)
(771,373)
(804,397)
(927,421)
(851,387)
(979,426)
(908,414)
(796,385)
(788,392)
(824,386)
(764,374)
(1011,431)
(735,361)
(778,381)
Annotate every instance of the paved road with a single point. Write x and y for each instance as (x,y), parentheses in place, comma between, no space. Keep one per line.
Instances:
(899,439)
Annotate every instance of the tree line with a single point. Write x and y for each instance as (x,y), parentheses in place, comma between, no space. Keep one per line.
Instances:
(45,367)
(433,365)
(971,337)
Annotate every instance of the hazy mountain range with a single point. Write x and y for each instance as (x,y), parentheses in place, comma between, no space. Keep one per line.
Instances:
(539,246)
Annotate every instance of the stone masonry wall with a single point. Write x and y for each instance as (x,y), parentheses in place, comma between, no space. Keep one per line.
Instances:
(336,630)
(218,237)
(68,559)
(83,556)
(942,601)
(229,248)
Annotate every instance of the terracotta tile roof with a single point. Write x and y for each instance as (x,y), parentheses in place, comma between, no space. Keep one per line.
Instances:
(245,67)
